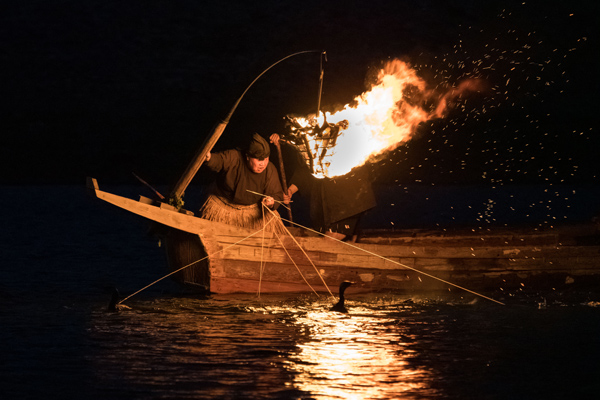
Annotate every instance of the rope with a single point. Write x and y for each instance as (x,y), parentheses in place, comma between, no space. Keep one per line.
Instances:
(261,269)
(396,262)
(264,195)
(295,265)
(290,257)
(300,247)
(304,252)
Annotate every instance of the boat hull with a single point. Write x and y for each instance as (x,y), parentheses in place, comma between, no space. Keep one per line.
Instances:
(220,258)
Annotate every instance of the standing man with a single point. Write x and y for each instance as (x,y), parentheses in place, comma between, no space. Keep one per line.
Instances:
(242,174)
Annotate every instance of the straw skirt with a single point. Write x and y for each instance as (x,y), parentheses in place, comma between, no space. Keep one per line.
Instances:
(252,216)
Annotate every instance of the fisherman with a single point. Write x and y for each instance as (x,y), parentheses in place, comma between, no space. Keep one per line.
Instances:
(246,183)
(336,205)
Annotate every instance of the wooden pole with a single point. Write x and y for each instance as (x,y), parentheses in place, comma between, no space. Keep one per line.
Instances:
(283,180)
(197,161)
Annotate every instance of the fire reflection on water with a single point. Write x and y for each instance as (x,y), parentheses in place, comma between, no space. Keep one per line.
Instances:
(224,345)
(243,348)
(355,357)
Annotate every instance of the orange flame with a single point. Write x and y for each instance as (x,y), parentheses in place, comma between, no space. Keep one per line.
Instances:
(380,119)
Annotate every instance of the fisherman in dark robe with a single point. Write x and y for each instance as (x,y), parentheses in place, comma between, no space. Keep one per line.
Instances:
(336,204)
(246,182)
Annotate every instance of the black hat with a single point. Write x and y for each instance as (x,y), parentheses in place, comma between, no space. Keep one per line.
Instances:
(258,147)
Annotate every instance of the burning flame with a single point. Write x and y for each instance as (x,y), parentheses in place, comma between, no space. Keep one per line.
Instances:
(378,121)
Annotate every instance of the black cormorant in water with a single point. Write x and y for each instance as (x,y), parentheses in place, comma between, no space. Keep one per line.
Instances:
(115,304)
(112,306)
(339,306)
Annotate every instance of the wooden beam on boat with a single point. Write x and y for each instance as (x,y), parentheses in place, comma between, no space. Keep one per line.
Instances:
(198,160)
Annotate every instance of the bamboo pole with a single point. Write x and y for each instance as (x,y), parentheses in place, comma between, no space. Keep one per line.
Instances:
(213,137)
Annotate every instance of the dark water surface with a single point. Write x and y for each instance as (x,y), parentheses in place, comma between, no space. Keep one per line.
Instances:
(63,253)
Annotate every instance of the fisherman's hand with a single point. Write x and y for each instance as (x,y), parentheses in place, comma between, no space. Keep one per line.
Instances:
(268,201)
(287,198)
(290,192)
(274,138)
(207,159)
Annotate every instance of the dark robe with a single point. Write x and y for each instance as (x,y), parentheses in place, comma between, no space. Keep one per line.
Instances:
(235,179)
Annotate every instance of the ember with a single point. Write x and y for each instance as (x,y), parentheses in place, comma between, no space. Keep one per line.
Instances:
(378,121)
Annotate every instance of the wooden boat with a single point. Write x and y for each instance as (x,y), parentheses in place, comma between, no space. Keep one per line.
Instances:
(219,258)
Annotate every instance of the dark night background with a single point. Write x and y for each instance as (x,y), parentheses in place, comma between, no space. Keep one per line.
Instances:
(104,89)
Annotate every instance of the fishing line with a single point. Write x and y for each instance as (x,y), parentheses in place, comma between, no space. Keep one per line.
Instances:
(397,263)
(262,250)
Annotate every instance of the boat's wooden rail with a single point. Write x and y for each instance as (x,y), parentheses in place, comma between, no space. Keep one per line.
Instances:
(566,235)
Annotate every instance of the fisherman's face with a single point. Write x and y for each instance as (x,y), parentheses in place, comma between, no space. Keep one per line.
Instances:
(257,166)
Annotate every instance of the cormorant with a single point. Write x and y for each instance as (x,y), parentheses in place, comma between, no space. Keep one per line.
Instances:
(112,306)
(339,306)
